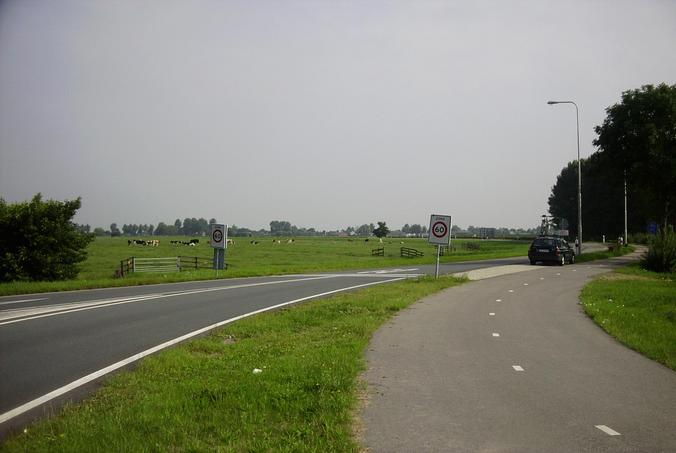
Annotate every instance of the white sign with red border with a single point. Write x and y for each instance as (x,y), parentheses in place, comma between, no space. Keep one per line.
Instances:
(440,229)
(218,235)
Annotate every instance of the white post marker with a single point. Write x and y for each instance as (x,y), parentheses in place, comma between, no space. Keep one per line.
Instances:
(439,234)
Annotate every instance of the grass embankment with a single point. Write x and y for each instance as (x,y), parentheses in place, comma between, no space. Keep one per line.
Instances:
(267,257)
(638,308)
(592,256)
(204,395)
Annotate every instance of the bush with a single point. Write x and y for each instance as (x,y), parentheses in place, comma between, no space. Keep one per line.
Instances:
(661,256)
(39,241)
(639,238)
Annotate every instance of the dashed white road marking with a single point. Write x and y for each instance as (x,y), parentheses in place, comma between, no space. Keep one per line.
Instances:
(542,278)
(495,334)
(23,300)
(491,314)
(525,284)
(558,273)
(609,431)
(517,367)
(498,300)
(511,291)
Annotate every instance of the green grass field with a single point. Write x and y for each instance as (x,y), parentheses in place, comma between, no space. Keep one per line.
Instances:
(638,308)
(204,396)
(268,257)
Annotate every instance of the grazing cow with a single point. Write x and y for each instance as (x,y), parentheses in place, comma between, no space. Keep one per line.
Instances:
(290,241)
(194,241)
(366,240)
(254,242)
(229,242)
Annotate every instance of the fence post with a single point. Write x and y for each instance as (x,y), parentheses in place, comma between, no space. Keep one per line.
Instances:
(133,264)
(178,263)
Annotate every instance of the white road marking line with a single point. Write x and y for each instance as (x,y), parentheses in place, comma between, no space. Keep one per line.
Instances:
(491,314)
(115,366)
(542,278)
(495,334)
(511,290)
(525,284)
(517,367)
(387,271)
(498,300)
(24,300)
(558,273)
(605,429)
(43,312)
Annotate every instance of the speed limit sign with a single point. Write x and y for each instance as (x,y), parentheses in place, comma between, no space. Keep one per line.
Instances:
(218,236)
(440,229)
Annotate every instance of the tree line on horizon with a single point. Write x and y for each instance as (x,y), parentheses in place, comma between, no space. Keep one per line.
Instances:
(202,227)
(637,146)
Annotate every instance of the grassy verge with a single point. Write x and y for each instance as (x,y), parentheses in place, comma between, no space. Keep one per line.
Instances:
(204,395)
(251,257)
(603,255)
(638,308)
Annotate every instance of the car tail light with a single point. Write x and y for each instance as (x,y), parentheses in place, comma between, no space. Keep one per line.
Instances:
(557,251)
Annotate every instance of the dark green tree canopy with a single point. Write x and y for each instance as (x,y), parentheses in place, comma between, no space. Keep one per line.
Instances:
(381,231)
(39,240)
(638,137)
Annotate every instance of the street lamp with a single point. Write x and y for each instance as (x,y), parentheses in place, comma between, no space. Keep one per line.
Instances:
(579,175)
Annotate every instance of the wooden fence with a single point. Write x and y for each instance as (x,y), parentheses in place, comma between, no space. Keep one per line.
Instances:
(407,252)
(169,264)
(378,252)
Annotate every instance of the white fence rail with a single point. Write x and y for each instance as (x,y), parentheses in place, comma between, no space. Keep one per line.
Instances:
(171,264)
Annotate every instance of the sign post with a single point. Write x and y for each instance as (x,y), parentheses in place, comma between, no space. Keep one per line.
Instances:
(439,234)
(219,239)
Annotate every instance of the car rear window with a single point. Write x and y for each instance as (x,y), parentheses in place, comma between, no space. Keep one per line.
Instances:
(544,242)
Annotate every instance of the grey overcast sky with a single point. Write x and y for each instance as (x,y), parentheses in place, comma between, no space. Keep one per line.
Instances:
(323,113)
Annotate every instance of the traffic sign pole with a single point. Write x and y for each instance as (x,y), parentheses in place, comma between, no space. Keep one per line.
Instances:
(439,234)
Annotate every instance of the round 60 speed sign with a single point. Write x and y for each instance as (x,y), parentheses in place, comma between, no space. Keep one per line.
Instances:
(217,235)
(440,228)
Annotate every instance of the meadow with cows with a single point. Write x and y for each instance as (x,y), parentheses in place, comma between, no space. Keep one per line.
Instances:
(256,256)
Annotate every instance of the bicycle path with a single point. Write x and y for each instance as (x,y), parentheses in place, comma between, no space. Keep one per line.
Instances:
(512,364)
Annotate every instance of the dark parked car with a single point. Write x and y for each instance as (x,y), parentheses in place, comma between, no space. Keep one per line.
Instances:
(552,249)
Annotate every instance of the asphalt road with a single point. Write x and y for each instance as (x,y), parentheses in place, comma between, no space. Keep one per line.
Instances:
(512,364)
(56,346)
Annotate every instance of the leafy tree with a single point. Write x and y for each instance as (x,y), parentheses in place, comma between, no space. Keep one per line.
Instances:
(280,228)
(98,231)
(364,230)
(178,227)
(416,229)
(114,231)
(638,139)
(40,240)
(161,229)
(381,231)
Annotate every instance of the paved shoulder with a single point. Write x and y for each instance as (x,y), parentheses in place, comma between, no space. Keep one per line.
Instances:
(513,364)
